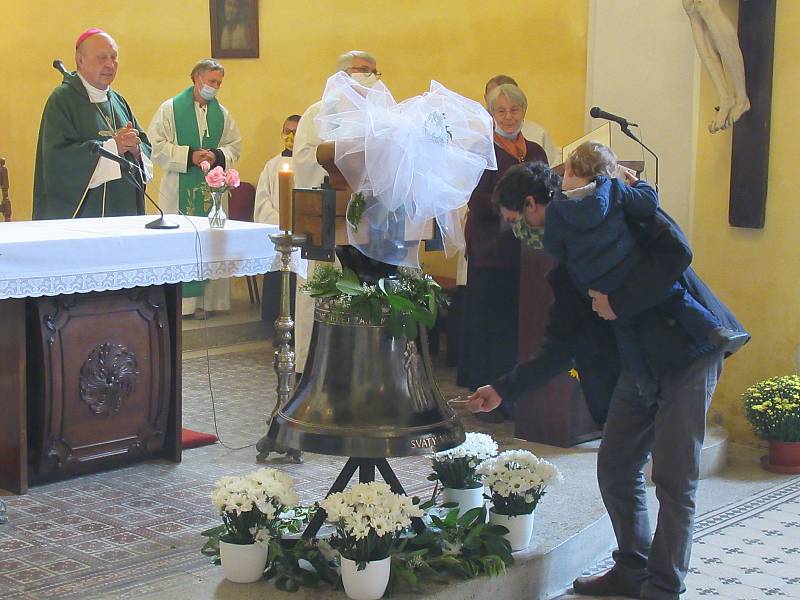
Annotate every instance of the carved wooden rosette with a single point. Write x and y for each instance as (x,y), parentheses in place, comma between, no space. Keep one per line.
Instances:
(108,377)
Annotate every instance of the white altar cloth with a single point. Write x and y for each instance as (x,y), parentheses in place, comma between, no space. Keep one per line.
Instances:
(47,258)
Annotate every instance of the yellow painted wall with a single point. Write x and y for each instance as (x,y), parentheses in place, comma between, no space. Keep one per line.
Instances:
(757,272)
(460,43)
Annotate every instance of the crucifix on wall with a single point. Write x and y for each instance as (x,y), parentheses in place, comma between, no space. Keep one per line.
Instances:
(741,71)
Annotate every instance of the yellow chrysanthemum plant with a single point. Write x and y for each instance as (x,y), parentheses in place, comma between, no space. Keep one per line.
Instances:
(773,408)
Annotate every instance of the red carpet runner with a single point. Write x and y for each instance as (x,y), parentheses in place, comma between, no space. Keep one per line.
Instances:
(195,439)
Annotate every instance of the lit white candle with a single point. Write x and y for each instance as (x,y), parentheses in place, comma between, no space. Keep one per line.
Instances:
(285,186)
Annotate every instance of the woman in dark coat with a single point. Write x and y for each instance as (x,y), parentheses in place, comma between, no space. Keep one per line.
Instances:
(489,333)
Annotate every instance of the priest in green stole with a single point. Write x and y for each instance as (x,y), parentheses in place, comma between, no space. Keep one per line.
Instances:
(71,180)
(186,130)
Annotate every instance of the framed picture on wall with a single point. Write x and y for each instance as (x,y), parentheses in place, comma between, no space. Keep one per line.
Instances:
(234,28)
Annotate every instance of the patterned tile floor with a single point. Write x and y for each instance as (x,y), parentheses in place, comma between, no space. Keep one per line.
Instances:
(111,534)
(751,550)
(132,532)
(748,550)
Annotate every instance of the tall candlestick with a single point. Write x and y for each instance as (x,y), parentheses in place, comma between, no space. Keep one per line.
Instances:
(285,186)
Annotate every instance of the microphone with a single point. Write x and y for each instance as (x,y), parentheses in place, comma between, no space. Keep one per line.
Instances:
(59,66)
(599,113)
(624,125)
(128,174)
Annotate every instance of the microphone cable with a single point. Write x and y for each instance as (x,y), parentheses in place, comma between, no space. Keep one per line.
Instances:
(198,253)
(645,170)
(629,133)
(655,159)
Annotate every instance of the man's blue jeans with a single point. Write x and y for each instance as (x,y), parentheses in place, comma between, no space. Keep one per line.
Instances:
(666,417)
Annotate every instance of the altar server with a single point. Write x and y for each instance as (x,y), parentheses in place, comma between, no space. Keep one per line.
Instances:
(186,130)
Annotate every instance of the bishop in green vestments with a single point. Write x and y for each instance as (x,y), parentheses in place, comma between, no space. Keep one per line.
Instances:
(71,180)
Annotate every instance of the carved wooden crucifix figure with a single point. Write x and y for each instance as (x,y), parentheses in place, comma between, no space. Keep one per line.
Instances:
(741,71)
(718,47)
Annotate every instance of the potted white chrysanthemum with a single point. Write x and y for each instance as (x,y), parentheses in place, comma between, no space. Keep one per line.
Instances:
(517,480)
(455,469)
(369,518)
(250,507)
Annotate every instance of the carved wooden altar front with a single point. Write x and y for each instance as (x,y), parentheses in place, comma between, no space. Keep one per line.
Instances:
(99,374)
(88,381)
(90,337)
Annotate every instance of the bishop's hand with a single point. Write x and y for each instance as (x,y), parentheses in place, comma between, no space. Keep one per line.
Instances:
(127,139)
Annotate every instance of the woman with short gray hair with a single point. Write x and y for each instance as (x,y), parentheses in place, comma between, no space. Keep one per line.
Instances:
(489,329)
(511,92)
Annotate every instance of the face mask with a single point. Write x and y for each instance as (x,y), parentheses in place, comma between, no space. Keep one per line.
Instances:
(532,236)
(365,79)
(501,132)
(208,93)
(288,140)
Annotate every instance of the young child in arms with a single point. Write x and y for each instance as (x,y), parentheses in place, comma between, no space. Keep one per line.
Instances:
(586,230)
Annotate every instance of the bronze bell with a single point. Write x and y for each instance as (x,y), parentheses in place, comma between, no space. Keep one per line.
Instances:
(366,394)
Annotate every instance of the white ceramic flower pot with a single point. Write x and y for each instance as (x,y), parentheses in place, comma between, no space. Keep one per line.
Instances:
(243,563)
(519,527)
(367,584)
(465,498)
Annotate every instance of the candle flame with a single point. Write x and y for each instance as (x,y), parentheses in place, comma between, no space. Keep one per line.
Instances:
(285,167)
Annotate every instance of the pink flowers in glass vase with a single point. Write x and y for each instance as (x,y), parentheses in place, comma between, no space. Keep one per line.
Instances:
(219,179)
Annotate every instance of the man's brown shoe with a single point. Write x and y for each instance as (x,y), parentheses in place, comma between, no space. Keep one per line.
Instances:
(608,584)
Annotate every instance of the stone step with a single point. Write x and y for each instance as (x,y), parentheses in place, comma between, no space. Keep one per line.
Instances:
(537,573)
(242,324)
(713,456)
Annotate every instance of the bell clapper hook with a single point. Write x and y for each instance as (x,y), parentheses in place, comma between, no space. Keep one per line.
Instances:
(458,400)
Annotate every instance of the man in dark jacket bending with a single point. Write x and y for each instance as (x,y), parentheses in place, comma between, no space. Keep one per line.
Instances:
(656,406)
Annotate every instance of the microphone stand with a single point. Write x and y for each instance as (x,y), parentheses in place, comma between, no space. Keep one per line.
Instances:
(627,131)
(160,222)
(128,175)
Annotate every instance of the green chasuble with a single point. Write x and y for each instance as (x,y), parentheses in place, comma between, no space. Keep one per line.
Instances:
(71,128)
(188,134)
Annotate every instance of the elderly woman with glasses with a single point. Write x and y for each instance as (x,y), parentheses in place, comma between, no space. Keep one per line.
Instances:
(489,330)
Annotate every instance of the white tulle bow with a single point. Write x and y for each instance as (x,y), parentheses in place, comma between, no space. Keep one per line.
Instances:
(413,161)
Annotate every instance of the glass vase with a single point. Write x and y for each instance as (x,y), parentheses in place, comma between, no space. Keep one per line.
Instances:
(217,216)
